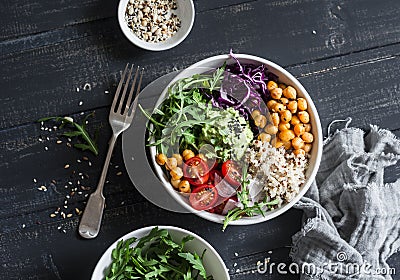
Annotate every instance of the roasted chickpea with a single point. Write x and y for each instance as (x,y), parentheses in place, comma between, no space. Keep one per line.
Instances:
(282,86)
(297,143)
(271,129)
(290,92)
(175,183)
(275,119)
(176,173)
(276,93)
(307,147)
(307,127)
(287,145)
(303,116)
(171,163)
(299,129)
(187,154)
(271,85)
(307,137)
(161,159)
(278,108)
(284,101)
(292,106)
(264,137)
(286,116)
(302,104)
(299,152)
(286,135)
(184,186)
(179,159)
(260,121)
(271,104)
(283,126)
(255,113)
(295,120)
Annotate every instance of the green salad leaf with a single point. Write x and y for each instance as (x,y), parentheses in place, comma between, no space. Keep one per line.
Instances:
(155,256)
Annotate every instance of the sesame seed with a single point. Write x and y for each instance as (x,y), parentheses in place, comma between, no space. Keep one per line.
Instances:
(78,161)
(52,215)
(34,180)
(116,166)
(64,231)
(77,89)
(69,145)
(119,173)
(67,197)
(314,32)
(80,103)
(69,215)
(65,206)
(63,215)
(236,254)
(235,264)
(85,158)
(59,142)
(23,225)
(79,193)
(77,211)
(66,166)
(106,91)
(40,139)
(46,148)
(90,163)
(59,227)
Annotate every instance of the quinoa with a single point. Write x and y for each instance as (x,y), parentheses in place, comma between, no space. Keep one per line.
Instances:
(279,172)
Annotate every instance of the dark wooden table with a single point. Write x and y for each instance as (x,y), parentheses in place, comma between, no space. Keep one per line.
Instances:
(346,53)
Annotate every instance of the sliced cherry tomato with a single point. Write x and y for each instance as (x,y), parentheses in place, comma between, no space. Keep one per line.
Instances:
(203,197)
(231,173)
(215,176)
(195,170)
(223,207)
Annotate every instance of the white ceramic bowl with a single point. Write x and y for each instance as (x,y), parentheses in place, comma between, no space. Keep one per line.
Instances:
(185,11)
(213,263)
(284,77)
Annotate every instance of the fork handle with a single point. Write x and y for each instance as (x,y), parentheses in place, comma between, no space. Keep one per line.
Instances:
(90,223)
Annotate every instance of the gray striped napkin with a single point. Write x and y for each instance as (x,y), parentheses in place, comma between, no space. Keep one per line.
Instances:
(352,217)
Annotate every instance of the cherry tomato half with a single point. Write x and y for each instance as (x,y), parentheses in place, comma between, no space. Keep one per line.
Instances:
(203,197)
(231,173)
(195,170)
(215,176)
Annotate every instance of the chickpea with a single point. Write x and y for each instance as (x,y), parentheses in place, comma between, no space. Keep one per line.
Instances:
(287,145)
(284,101)
(187,154)
(260,121)
(286,135)
(271,104)
(264,137)
(299,129)
(278,108)
(176,173)
(277,143)
(297,143)
(271,129)
(303,116)
(299,152)
(255,113)
(161,159)
(271,85)
(307,137)
(175,183)
(276,93)
(275,119)
(184,186)
(302,104)
(171,163)
(286,116)
(290,92)
(307,127)
(295,120)
(292,106)
(282,86)
(179,159)
(307,147)
(283,126)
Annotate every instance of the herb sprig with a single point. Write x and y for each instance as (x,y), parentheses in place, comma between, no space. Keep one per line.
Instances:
(80,131)
(156,256)
(243,195)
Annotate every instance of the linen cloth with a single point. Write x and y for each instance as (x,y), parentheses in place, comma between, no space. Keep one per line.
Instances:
(352,217)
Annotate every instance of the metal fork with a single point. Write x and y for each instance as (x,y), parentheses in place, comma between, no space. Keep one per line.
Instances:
(120,119)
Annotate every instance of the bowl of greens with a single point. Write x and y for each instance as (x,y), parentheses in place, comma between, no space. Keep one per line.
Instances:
(160,252)
(235,139)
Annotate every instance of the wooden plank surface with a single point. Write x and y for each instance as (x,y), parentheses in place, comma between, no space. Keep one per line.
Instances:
(345,53)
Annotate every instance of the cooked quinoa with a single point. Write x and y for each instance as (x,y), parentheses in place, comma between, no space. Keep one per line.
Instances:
(280,172)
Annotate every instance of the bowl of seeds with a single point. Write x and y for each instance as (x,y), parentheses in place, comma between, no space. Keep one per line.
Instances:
(156,25)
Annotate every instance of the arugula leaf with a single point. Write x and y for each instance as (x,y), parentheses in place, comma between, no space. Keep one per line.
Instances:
(79,132)
(196,263)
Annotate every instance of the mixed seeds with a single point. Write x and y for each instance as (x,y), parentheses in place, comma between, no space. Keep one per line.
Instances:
(151,20)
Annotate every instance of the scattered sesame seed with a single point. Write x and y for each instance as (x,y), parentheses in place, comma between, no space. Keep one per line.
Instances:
(59,227)
(269,252)
(79,193)
(90,163)
(78,161)
(49,131)
(59,142)
(106,91)
(81,113)
(63,215)
(23,225)
(80,103)
(34,180)
(235,264)
(123,203)
(314,32)
(119,173)
(46,148)
(237,270)
(86,195)
(69,145)
(236,254)
(66,166)
(69,215)
(42,128)
(47,138)
(85,158)
(116,166)
(78,182)
(77,89)
(40,139)
(69,140)
(70,182)
(64,231)
(65,206)
(77,210)
(67,197)
(52,215)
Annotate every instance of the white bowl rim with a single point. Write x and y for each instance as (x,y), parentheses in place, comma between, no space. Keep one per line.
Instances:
(271,214)
(162,46)
(99,269)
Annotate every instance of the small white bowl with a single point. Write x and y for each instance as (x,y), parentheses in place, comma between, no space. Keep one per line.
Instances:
(185,12)
(284,77)
(212,261)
